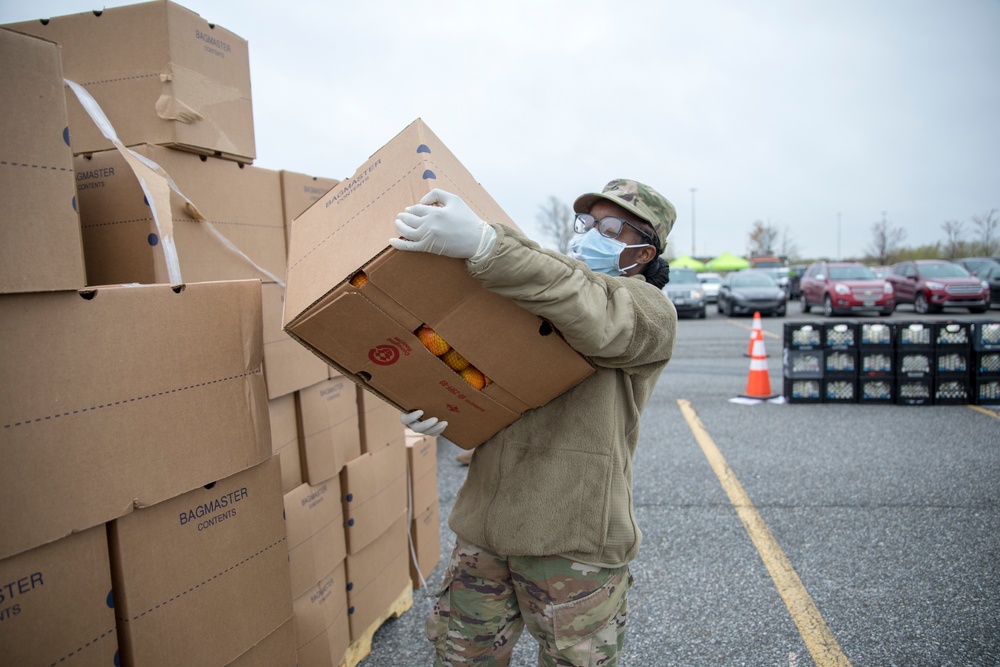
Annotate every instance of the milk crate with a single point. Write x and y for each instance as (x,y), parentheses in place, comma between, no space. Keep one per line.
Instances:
(987,363)
(914,391)
(876,361)
(952,334)
(802,364)
(911,335)
(804,335)
(840,390)
(952,390)
(986,390)
(840,336)
(915,362)
(876,334)
(803,390)
(877,389)
(840,364)
(986,336)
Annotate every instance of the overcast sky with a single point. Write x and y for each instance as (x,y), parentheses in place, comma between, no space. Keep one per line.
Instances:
(796,113)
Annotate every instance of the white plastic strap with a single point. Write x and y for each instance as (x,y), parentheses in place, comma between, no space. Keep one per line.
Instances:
(156,184)
(409,532)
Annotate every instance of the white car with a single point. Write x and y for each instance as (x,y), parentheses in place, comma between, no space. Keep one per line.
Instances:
(710,283)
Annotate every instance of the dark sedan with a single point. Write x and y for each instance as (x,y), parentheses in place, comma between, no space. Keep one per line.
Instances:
(751,290)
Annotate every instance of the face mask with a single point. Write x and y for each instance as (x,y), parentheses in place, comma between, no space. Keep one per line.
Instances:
(600,253)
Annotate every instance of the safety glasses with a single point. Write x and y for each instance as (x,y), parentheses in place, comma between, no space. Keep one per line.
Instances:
(610,226)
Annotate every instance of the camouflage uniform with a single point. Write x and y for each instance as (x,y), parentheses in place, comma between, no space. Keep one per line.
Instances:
(576,612)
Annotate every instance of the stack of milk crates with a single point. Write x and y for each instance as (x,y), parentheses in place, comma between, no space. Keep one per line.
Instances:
(946,362)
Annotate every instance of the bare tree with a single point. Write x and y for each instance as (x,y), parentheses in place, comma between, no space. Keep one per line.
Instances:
(556,222)
(953,245)
(789,249)
(886,241)
(988,229)
(763,239)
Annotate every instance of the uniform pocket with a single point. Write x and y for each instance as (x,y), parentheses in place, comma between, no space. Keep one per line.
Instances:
(436,623)
(577,620)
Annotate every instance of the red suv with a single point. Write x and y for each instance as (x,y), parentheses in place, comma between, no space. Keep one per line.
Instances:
(845,287)
(933,284)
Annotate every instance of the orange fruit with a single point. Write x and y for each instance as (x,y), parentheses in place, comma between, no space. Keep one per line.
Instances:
(474,376)
(360,279)
(455,360)
(432,341)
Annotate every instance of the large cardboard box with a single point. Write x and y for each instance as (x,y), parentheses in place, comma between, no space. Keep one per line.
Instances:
(376,576)
(288,366)
(379,422)
(314,518)
(373,487)
(322,629)
(421,468)
(56,605)
(425,532)
(122,397)
(367,332)
(40,247)
(201,578)
(328,427)
(285,440)
(275,650)
(299,192)
(161,73)
(121,243)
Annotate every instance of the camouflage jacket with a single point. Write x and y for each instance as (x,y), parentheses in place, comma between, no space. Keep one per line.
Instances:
(559,480)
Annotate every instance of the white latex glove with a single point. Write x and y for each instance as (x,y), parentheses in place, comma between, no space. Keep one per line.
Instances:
(429,426)
(451,229)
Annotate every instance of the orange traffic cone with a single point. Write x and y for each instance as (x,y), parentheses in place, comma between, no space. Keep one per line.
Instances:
(753,331)
(759,380)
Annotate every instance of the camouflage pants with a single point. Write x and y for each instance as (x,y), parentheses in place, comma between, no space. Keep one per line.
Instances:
(575,611)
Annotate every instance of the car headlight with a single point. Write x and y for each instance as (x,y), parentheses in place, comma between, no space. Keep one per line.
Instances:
(697,294)
(933,285)
(986,286)
(887,288)
(841,288)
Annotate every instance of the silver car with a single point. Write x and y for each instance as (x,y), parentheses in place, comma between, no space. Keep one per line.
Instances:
(686,292)
(710,282)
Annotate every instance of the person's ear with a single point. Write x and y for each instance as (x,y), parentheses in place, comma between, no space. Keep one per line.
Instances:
(647,254)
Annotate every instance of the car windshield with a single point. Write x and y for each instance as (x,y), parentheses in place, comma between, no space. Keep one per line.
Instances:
(943,270)
(685,276)
(753,280)
(851,273)
(709,279)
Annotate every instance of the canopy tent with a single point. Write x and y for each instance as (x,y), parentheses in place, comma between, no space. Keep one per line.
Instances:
(728,262)
(685,262)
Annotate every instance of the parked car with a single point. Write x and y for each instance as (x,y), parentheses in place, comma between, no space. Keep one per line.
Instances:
(780,275)
(751,290)
(710,282)
(974,264)
(795,273)
(990,274)
(845,287)
(686,292)
(933,284)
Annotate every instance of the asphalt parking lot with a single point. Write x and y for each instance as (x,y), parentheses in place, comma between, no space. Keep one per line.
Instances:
(791,535)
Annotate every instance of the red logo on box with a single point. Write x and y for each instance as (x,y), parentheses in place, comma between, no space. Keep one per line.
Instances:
(384,355)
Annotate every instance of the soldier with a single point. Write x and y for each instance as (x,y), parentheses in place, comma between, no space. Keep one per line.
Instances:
(544,521)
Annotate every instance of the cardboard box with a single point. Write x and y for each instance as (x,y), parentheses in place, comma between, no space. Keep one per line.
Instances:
(421,464)
(376,575)
(285,440)
(40,246)
(379,421)
(121,243)
(56,606)
(161,73)
(288,366)
(368,332)
(425,531)
(202,577)
(314,518)
(275,650)
(323,631)
(299,192)
(374,492)
(329,428)
(122,397)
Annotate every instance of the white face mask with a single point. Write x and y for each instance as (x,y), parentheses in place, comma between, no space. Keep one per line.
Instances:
(600,253)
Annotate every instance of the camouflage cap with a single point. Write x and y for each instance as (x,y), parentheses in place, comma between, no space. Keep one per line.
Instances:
(640,199)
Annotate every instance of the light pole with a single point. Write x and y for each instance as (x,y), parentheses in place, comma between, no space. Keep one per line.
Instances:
(839,257)
(693,190)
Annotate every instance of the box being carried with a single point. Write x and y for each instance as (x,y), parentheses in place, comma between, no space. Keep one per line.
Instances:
(368,332)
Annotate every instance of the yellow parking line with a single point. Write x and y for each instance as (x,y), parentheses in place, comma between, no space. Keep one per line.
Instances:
(985,411)
(822,645)
(749,327)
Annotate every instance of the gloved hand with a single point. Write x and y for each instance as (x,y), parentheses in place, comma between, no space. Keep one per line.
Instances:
(429,426)
(451,229)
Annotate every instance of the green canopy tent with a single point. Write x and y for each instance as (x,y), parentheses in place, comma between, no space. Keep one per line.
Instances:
(728,262)
(685,262)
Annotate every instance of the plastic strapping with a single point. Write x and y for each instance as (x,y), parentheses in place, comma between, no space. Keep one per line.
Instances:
(409,532)
(156,184)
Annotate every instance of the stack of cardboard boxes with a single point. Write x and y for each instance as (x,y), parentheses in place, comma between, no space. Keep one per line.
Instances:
(183,482)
